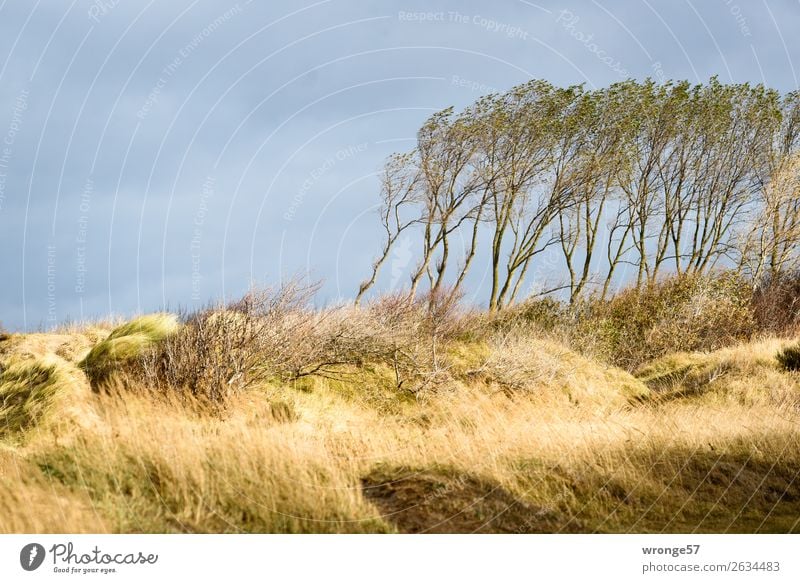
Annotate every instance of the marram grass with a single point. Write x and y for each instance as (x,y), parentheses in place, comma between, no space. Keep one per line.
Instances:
(125,343)
(525,435)
(35,391)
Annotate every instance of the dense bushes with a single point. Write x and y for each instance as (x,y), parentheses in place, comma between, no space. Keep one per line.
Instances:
(679,314)
(776,304)
(684,313)
(278,336)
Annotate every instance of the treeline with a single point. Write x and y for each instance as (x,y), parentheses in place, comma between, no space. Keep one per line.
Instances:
(627,182)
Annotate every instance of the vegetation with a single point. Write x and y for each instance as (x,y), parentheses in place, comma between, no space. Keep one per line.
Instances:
(789,357)
(31,392)
(669,406)
(403,417)
(125,344)
(655,179)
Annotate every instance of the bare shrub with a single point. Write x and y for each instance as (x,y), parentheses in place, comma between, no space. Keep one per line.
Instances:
(516,362)
(337,337)
(223,349)
(275,334)
(401,321)
(413,332)
(776,304)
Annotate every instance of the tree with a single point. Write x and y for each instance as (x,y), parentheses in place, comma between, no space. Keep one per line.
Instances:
(655,176)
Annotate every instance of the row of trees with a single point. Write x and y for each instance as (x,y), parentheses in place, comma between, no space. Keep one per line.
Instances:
(659,178)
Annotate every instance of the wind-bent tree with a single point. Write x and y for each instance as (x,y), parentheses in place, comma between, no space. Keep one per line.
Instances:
(674,177)
(526,149)
(771,246)
(449,187)
(604,126)
(399,192)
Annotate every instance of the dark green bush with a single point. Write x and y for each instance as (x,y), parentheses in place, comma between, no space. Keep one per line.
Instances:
(789,357)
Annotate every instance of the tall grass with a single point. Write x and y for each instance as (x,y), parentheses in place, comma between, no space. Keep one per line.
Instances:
(396,416)
(678,467)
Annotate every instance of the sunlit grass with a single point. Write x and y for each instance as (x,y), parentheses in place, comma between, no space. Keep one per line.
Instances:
(521,438)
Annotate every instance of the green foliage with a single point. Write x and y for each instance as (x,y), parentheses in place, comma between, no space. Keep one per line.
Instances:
(544,313)
(125,344)
(654,175)
(155,326)
(682,314)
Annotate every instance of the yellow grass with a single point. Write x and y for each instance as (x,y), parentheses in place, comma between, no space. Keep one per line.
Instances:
(521,438)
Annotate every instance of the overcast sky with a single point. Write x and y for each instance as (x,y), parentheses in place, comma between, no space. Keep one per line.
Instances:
(163,153)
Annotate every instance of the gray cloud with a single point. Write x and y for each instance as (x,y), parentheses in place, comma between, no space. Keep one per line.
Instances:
(131,110)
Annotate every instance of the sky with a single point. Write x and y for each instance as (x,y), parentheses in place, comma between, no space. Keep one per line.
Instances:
(161,155)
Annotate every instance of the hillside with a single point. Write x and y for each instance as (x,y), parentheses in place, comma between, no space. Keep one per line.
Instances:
(516,433)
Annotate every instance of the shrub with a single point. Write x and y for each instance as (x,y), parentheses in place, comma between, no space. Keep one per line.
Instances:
(546,315)
(275,334)
(681,314)
(789,358)
(225,348)
(776,304)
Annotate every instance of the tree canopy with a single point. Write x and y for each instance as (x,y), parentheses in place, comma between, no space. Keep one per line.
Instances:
(660,178)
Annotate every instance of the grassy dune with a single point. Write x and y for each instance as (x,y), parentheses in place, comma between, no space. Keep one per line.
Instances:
(524,435)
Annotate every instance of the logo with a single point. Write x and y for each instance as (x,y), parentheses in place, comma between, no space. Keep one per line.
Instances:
(31,556)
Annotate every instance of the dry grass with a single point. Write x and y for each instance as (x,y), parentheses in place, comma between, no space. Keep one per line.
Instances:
(519,435)
(747,374)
